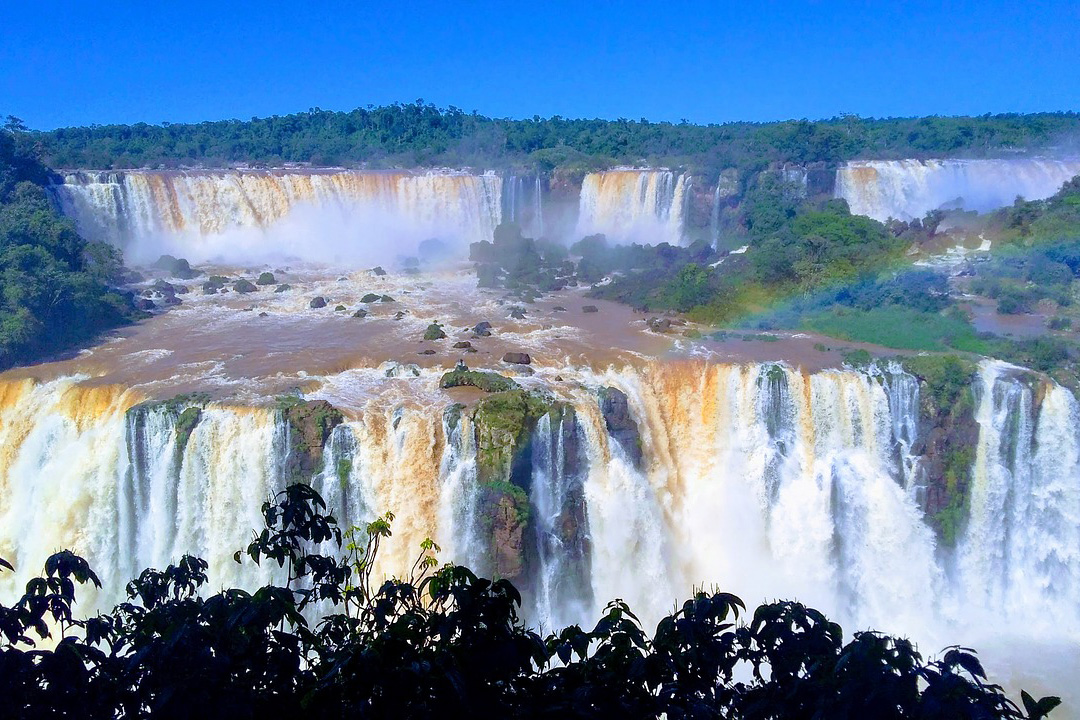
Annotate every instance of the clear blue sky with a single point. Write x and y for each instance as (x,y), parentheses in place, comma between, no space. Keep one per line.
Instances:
(79,62)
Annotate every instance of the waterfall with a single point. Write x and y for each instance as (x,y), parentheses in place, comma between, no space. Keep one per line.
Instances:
(633,205)
(907,189)
(311,214)
(761,479)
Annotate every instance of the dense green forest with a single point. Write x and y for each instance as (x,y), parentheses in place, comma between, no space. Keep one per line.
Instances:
(444,643)
(420,134)
(54,286)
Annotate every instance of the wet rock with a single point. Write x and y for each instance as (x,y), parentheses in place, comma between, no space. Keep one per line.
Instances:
(361,313)
(282,288)
(461,344)
(397,370)
(517,313)
(310,424)
(517,358)
(144,304)
(490,382)
(482,329)
(378,271)
(176,267)
(434,331)
(182,289)
(339,308)
(264,314)
(266,278)
(244,286)
(429,351)
(317,302)
(399,314)
(615,408)
(659,325)
(559,308)
(590,309)
(369,298)
(386,299)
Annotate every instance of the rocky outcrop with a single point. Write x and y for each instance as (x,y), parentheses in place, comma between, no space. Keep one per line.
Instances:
(309,424)
(487,381)
(317,302)
(621,427)
(517,358)
(266,278)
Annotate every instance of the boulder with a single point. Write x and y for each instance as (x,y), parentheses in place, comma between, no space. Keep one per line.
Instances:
(266,278)
(370,298)
(590,309)
(386,298)
(377,270)
(482,329)
(491,382)
(462,344)
(434,332)
(182,289)
(176,267)
(399,314)
(517,358)
(403,370)
(621,427)
(361,313)
(339,308)
(429,351)
(659,325)
(559,308)
(283,287)
(517,313)
(145,304)
(244,286)
(317,302)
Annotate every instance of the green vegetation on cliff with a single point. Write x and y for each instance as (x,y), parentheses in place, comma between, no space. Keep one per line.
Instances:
(54,286)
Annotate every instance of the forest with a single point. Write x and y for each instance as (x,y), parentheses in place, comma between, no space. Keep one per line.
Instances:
(327,640)
(421,135)
(55,287)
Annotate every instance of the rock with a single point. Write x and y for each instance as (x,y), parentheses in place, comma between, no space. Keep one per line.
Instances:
(310,425)
(482,329)
(377,270)
(361,313)
(264,314)
(176,267)
(461,344)
(144,304)
(517,358)
(659,325)
(434,332)
(342,279)
(429,351)
(166,288)
(182,289)
(615,408)
(487,381)
(244,286)
(386,298)
(266,278)
(339,308)
(590,309)
(517,313)
(370,298)
(558,378)
(214,284)
(283,287)
(559,308)
(403,370)
(317,302)
(399,314)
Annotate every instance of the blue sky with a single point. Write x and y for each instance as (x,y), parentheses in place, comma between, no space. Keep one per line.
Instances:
(80,62)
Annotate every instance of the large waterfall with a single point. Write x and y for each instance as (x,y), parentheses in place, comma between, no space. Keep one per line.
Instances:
(907,189)
(644,206)
(313,215)
(760,479)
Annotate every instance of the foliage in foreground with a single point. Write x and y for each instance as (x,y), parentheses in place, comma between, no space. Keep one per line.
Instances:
(443,643)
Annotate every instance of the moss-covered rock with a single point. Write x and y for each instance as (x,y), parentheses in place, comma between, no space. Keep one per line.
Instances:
(947,437)
(310,423)
(185,425)
(434,331)
(282,287)
(266,278)
(369,298)
(244,286)
(317,302)
(487,381)
(503,422)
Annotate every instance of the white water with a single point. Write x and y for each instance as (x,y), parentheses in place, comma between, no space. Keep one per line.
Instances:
(645,206)
(244,215)
(757,479)
(907,189)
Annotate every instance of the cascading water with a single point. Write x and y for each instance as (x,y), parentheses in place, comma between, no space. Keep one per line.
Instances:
(633,205)
(315,215)
(759,479)
(907,189)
